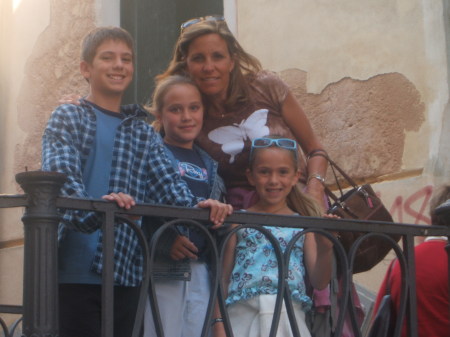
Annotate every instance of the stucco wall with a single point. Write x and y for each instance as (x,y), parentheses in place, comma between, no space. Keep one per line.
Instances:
(38,65)
(371,75)
(373,78)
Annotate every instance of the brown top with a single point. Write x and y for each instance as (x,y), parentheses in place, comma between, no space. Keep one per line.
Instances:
(227,137)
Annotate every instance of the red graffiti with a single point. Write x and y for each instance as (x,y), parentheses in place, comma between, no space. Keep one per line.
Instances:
(416,205)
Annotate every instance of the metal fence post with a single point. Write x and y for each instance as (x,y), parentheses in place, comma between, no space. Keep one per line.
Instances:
(40,284)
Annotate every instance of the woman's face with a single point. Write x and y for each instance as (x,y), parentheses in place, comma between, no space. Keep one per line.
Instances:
(209,63)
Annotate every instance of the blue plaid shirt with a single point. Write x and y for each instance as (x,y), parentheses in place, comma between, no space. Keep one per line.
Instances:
(139,168)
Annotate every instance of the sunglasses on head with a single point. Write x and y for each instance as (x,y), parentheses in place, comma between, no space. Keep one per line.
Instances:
(201,19)
(285,143)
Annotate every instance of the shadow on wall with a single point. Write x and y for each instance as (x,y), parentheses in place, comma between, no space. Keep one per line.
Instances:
(362,124)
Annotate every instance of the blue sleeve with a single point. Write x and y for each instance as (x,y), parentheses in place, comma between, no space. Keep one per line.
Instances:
(61,152)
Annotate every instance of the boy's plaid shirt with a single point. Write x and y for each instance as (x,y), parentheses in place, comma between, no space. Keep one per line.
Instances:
(139,168)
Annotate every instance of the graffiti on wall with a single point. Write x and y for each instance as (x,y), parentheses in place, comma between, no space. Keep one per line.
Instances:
(414,206)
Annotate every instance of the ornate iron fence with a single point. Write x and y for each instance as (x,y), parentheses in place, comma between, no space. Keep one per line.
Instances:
(40,296)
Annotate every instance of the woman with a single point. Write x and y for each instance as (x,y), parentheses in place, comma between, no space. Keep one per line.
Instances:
(243,102)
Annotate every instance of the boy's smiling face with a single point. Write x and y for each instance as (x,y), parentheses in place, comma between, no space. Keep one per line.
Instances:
(111,70)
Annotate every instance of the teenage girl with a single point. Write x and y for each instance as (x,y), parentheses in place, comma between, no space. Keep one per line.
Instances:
(250,269)
(181,274)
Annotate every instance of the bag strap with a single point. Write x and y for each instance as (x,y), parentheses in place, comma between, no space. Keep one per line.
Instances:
(333,165)
(334,168)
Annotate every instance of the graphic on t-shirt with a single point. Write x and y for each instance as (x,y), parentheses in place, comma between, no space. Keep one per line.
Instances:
(191,171)
(232,137)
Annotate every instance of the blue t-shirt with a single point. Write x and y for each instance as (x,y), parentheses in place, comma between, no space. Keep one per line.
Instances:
(77,250)
(193,171)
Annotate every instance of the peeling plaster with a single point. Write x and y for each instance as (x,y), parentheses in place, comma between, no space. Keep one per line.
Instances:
(362,124)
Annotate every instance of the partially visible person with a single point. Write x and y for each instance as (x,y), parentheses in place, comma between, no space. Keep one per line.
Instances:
(242,102)
(443,211)
(432,290)
(250,267)
(182,280)
(107,151)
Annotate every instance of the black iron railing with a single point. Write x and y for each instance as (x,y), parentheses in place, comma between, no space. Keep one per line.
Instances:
(40,306)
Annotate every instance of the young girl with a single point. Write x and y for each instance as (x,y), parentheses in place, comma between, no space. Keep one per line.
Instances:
(250,268)
(180,270)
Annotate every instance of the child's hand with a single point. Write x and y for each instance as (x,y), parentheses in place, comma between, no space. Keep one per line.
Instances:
(123,201)
(183,248)
(219,211)
(70,99)
(335,234)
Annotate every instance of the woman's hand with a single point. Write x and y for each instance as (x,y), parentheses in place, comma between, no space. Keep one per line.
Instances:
(219,211)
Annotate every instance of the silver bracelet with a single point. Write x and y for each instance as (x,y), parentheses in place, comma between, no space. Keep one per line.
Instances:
(315,176)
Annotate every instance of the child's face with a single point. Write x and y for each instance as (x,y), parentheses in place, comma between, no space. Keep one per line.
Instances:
(273,174)
(182,115)
(111,70)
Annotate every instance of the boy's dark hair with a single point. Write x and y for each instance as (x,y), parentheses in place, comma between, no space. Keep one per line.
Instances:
(99,35)
(441,195)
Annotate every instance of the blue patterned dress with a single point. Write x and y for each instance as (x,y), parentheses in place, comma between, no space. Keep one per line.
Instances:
(255,269)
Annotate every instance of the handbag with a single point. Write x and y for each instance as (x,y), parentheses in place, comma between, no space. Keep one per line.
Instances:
(383,324)
(359,203)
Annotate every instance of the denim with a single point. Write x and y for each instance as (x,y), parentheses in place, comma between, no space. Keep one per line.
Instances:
(164,267)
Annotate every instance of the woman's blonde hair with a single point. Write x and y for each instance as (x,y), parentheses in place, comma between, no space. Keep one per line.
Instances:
(244,63)
(297,200)
(160,92)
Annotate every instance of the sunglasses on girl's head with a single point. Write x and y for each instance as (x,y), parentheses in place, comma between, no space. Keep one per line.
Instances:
(285,143)
(201,19)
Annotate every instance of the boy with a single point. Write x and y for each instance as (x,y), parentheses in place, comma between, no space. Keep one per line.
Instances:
(107,151)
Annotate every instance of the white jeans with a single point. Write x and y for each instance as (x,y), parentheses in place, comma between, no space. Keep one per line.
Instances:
(182,305)
(253,318)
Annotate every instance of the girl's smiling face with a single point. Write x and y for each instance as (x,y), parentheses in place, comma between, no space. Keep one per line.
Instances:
(181,115)
(273,174)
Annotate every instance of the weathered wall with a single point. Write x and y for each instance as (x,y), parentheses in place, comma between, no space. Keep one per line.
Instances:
(39,63)
(373,78)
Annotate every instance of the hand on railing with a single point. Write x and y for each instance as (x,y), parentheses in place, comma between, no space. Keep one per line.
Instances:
(122,200)
(219,211)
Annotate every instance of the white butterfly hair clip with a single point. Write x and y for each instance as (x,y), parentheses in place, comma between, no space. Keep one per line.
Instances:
(233,137)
